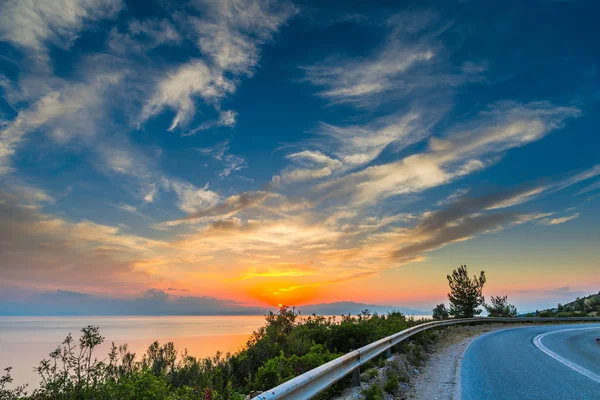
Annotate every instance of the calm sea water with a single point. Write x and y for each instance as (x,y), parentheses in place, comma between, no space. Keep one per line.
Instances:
(24,341)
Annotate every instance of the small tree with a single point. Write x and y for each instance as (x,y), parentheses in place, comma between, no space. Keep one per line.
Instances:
(466,295)
(440,312)
(500,307)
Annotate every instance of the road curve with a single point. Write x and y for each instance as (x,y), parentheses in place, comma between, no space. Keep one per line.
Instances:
(540,362)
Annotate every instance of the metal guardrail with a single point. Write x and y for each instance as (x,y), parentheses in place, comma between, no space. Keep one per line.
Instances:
(316,380)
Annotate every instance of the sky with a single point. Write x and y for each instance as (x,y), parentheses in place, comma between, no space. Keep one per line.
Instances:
(227,156)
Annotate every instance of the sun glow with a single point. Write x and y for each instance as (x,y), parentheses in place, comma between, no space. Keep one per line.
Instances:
(277,292)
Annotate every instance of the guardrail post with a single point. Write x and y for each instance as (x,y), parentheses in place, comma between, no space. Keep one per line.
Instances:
(356,377)
(388,353)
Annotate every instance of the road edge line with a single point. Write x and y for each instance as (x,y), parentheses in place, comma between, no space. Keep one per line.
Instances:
(537,342)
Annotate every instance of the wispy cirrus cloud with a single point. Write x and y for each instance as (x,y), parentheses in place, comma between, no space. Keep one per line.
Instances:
(353,146)
(191,198)
(558,221)
(411,59)
(64,112)
(37,25)
(310,165)
(356,81)
(224,209)
(219,152)
(131,209)
(229,34)
(81,110)
(143,35)
(590,188)
(358,145)
(465,149)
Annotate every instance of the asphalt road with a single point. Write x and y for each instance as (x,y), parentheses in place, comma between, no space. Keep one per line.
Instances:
(541,362)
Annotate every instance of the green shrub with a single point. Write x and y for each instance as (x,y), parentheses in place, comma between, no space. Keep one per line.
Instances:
(373,392)
(416,355)
(138,385)
(392,382)
(369,374)
(280,369)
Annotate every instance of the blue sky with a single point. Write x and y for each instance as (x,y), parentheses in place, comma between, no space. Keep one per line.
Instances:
(258,152)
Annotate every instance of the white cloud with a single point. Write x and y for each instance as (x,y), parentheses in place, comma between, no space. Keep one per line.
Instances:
(520,199)
(535,192)
(229,34)
(122,158)
(558,221)
(354,80)
(74,110)
(226,118)
(36,24)
(151,193)
(459,153)
(179,88)
(191,198)
(580,177)
(31,195)
(456,195)
(360,144)
(303,174)
(219,152)
(225,209)
(314,157)
(130,209)
(411,58)
(142,35)
(590,188)
(232,164)
(314,165)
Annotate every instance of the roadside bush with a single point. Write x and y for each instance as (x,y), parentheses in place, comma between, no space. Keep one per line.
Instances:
(373,392)
(416,355)
(280,369)
(138,385)
(392,382)
(369,375)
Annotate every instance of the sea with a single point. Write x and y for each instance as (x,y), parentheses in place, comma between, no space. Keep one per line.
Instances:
(24,341)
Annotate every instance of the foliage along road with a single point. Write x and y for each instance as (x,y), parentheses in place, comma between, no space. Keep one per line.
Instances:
(541,362)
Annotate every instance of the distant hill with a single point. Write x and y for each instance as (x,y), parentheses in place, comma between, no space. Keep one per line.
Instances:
(345,307)
(588,306)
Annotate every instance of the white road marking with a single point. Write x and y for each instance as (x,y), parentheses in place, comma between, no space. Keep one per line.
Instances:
(537,341)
